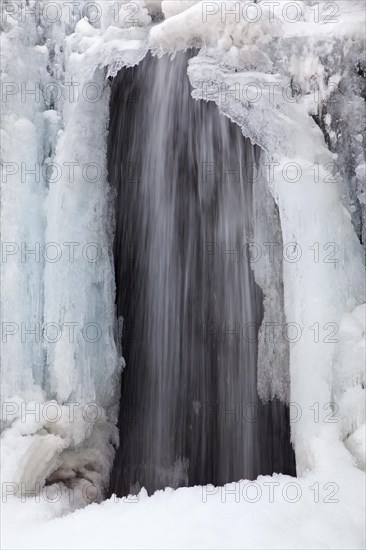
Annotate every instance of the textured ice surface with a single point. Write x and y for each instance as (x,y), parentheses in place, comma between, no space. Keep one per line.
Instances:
(58,318)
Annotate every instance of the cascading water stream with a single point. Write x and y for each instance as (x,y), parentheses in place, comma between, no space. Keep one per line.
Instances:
(191,309)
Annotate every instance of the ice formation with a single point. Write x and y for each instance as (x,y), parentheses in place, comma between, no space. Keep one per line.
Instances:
(307,77)
(57,271)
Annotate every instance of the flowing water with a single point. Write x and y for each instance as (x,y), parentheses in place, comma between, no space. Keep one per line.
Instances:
(191,308)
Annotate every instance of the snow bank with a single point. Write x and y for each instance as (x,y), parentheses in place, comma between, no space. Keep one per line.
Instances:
(322,510)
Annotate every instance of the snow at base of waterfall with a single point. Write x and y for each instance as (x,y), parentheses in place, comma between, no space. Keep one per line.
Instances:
(320,510)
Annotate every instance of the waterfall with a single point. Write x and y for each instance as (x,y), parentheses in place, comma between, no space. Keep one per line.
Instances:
(191,309)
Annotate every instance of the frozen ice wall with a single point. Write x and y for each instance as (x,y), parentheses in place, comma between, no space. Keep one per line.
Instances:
(23,220)
(60,366)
